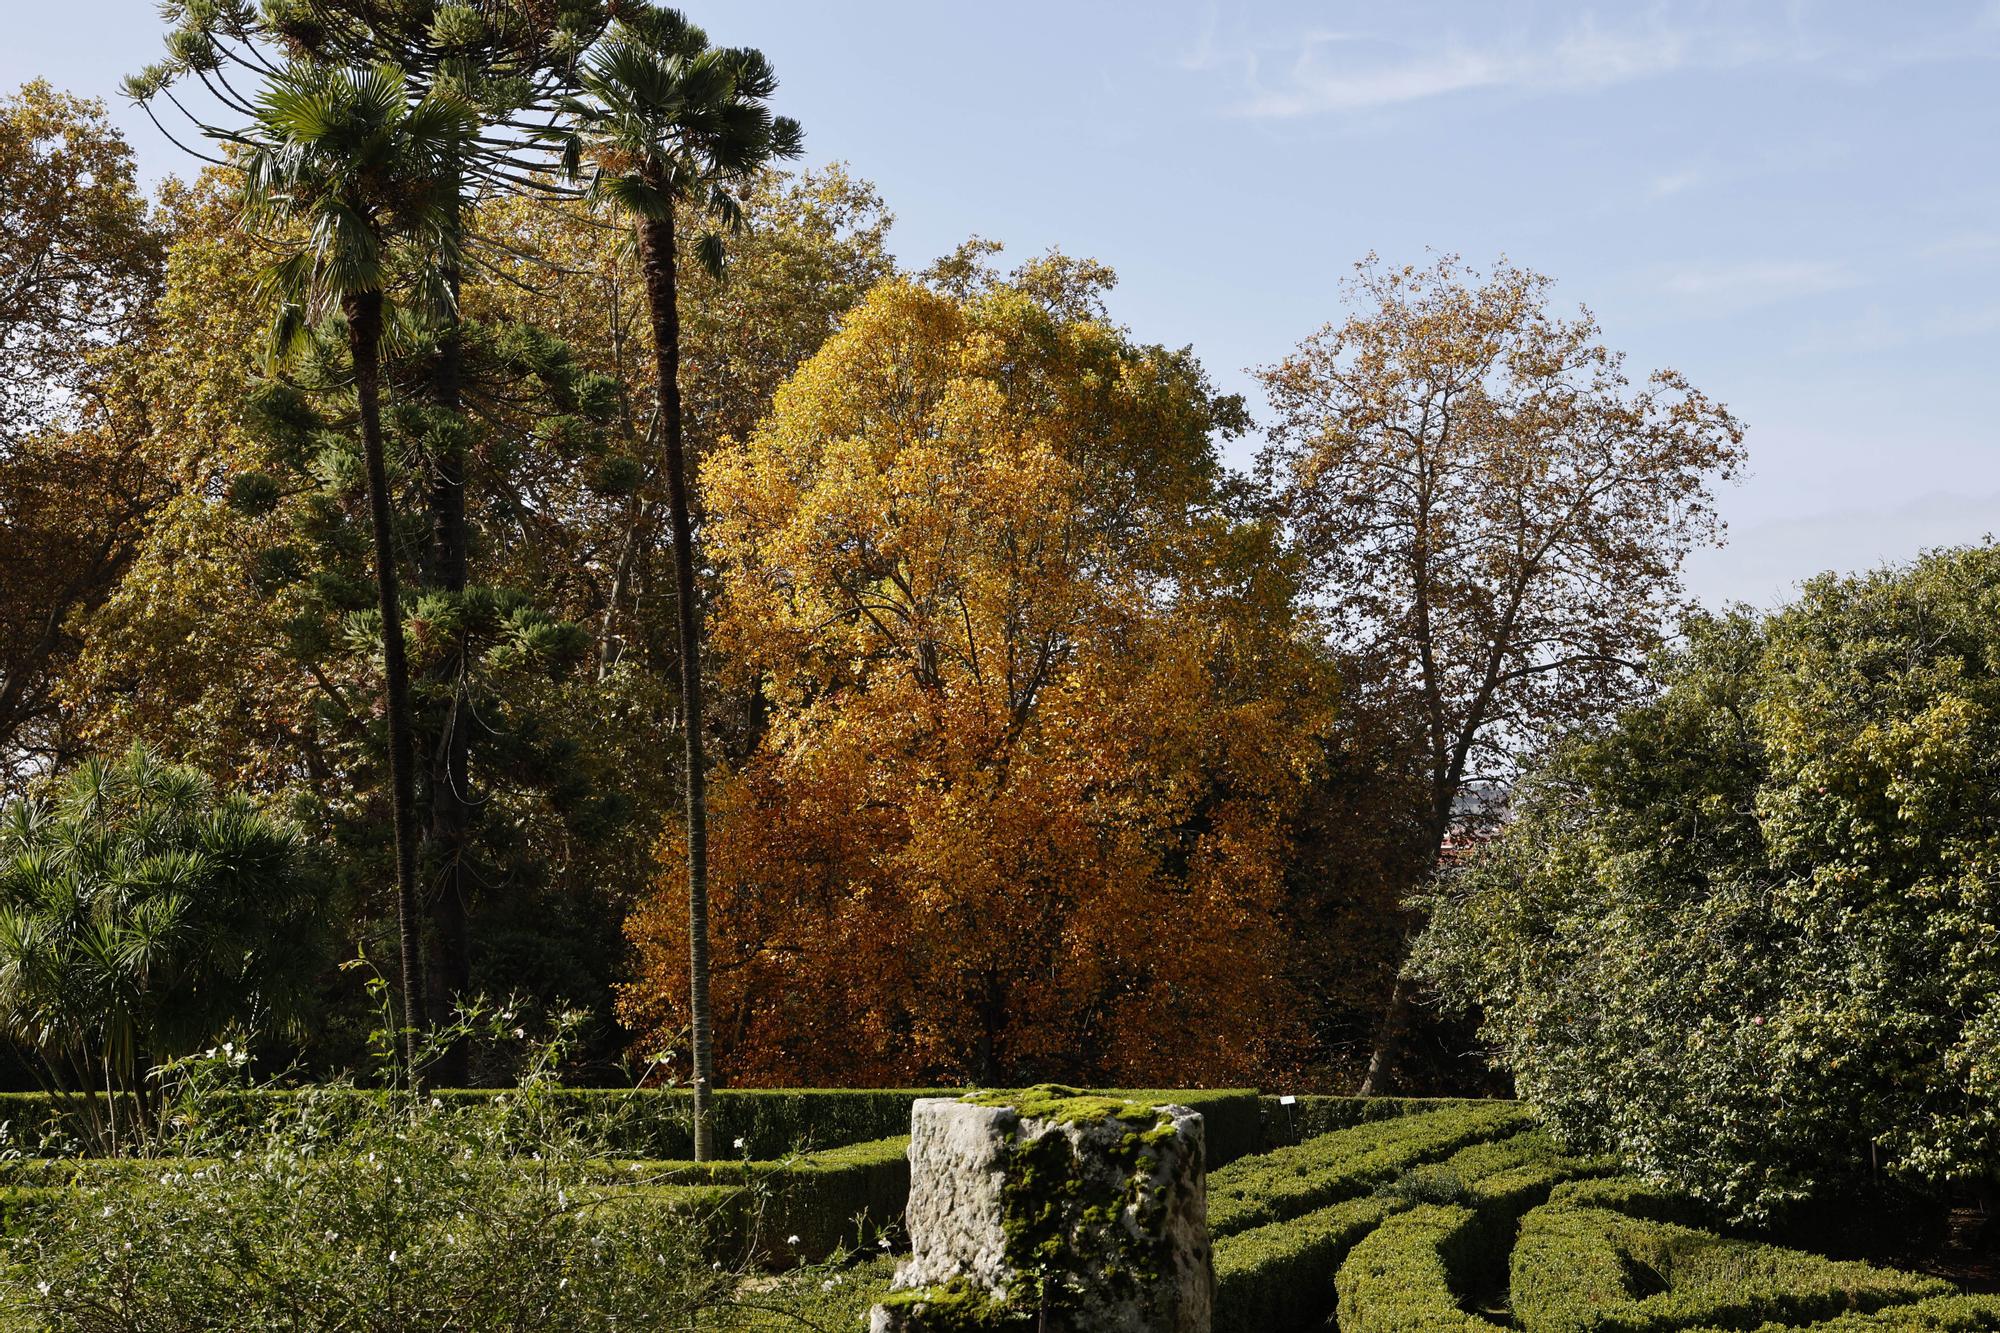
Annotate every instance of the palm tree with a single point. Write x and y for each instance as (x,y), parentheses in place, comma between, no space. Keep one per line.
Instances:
(511,62)
(359,182)
(142,915)
(667,122)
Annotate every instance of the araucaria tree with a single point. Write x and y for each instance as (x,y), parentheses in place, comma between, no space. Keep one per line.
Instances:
(357,185)
(508,63)
(1496,515)
(666,120)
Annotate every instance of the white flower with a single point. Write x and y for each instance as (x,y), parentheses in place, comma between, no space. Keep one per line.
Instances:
(42,1287)
(392,1256)
(826,1285)
(791,1240)
(739,1144)
(883,1242)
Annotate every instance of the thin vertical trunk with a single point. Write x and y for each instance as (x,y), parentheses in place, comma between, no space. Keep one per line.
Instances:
(1380,1080)
(364,334)
(448,763)
(657,259)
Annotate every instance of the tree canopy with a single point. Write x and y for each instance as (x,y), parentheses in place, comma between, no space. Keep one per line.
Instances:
(1748,936)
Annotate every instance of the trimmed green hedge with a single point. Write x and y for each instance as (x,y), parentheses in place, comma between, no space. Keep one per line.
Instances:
(1401,1279)
(1310,1116)
(1939,1314)
(1591,1270)
(1635,1198)
(1279,1275)
(843,1196)
(1290,1182)
(657,1124)
(1410,1275)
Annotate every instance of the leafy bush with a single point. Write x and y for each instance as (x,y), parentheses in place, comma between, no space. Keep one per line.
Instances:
(1749,939)
(1291,1181)
(141,915)
(382,1212)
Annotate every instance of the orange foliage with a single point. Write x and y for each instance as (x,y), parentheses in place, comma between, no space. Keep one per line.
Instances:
(1039,710)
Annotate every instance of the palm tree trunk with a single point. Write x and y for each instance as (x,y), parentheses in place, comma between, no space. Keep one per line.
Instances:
(364,338)
(656,260)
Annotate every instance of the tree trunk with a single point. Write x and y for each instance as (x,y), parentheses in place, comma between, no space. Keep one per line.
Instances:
(657,260)
(364,337)
(1381,1077)
(448,763)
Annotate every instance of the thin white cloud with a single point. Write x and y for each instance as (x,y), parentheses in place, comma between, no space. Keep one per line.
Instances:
(1757,282)
(1334,73)
(1668,184)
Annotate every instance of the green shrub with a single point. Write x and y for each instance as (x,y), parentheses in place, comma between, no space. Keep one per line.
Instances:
(797,1211)
(1590,1270)
(1401,1278)
(1309,1116)
(1939,1314)
(1747,937)
(1635,1198)
(1288,1182)
(1280,1275)
(418,1221)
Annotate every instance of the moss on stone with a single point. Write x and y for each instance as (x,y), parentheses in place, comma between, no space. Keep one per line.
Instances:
(956,1307)
(1065,1106)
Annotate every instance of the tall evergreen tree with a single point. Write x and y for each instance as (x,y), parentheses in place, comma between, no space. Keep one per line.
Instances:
(357,183)
(506,62)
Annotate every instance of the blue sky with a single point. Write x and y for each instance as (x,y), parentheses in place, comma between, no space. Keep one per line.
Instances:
(1797,204)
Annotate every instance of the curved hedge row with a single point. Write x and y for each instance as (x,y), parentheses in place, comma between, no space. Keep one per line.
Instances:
(1289,1182)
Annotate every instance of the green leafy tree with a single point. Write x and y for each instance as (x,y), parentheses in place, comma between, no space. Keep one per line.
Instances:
(1750,936)
(357,183)
(665,120)
(142,915)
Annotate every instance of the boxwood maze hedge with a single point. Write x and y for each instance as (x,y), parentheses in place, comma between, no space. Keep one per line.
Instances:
(1404,1217)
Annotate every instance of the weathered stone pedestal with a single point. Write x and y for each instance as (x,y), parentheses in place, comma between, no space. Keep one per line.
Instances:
(1053,1211)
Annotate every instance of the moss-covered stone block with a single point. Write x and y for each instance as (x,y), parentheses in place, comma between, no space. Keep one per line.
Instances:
(1056,1210)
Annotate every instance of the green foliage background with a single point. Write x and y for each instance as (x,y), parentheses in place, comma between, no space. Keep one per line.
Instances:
(1749,936)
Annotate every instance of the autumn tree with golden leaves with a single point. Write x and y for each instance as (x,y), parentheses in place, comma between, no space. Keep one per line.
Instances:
(80,269)
(1040,709)
(1494,513)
